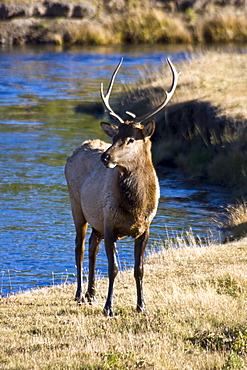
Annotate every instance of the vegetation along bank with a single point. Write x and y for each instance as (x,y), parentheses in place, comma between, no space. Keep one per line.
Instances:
(107,22)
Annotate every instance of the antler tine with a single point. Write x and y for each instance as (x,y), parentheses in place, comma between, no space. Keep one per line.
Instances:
(169,94)
(105,98)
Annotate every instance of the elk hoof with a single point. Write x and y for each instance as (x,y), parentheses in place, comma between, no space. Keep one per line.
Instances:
(90,297)
(80,299)
(108,311)
(140,308)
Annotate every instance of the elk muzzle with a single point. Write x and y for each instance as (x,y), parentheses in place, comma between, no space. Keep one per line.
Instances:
(107,160)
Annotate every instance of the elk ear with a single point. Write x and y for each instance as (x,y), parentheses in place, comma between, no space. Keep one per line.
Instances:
(110,130)
(148,129)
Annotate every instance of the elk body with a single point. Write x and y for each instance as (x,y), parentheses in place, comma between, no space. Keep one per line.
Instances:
(114,189)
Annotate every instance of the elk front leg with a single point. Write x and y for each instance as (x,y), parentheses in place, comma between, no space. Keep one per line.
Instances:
(140,246)
(110,247)
(94,241)
(79,254)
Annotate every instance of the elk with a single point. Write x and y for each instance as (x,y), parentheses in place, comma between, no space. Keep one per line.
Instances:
(114,188)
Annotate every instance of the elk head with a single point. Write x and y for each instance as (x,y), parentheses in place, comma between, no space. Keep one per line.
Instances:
(131,135)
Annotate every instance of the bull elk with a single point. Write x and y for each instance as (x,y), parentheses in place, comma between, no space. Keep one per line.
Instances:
(117,198)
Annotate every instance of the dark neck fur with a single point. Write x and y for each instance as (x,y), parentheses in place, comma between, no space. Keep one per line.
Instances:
(134,187)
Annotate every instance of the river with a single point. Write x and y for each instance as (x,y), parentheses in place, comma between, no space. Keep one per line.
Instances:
(40,88)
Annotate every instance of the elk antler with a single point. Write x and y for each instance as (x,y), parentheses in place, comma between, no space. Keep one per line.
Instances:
(105,98)
(138,120)
(169,94)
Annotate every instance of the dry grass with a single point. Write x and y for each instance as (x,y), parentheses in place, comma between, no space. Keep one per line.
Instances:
(196,318)
(88,32)
(217,78)
(236,214)
(234,225)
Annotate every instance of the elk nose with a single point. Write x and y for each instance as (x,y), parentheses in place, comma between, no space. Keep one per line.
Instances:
(105,158)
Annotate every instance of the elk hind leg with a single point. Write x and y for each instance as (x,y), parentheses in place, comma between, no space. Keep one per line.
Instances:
(81,229)
(110,247)
(140,246)
(94,242)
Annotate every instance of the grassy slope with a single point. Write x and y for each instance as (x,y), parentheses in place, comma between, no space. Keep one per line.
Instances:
(217,78)
(218,81)
(196,318)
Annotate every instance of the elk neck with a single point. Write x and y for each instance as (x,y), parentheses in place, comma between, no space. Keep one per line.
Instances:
(137,184)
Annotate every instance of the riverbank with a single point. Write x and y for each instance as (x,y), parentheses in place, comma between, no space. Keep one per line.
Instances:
(120,22)
(196,318)
(203,130)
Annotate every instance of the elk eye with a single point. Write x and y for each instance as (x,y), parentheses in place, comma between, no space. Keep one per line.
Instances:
(130,140)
